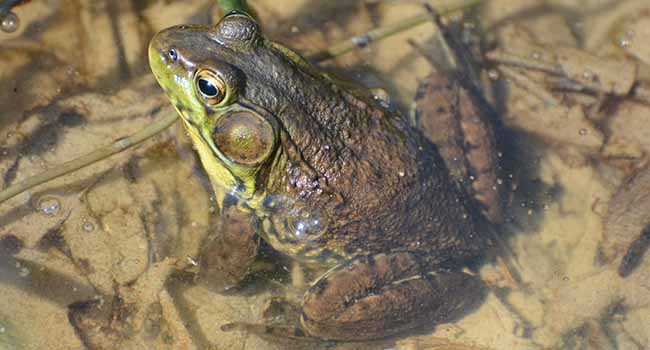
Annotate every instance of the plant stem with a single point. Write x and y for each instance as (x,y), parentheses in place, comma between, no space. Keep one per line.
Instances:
(228,6)
(90,158)
(377,34)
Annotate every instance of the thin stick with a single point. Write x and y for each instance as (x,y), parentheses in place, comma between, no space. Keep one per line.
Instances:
(364,40)
(523,62)
(90,158)
(529,85)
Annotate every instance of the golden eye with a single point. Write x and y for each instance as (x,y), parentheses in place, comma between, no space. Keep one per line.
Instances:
(210,87)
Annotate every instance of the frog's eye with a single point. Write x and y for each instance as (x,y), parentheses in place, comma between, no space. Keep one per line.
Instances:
(245,138)
(210,87)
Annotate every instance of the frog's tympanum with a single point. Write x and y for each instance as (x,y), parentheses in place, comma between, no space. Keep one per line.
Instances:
(329,177)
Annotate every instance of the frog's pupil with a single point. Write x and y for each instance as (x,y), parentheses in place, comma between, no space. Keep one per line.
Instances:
(207,88)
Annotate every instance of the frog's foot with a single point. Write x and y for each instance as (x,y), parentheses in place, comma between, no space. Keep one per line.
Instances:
(383,295)
(280,323)
(230,257)
(267,330)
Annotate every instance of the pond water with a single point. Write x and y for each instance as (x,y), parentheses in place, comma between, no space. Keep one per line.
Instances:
(114,255)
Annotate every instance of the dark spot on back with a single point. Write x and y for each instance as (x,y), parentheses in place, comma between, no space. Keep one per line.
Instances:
(71,118)
(10,244)
(634,255)
(51,239)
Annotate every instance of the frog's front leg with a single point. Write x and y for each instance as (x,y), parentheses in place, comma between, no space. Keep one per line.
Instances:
(228,258)
(382,295)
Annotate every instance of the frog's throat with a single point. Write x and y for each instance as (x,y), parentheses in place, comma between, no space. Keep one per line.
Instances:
(223,181)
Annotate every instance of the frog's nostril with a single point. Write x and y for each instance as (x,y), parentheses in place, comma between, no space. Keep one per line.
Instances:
(173,55)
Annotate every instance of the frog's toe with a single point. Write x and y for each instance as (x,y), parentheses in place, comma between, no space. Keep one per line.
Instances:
(382,295)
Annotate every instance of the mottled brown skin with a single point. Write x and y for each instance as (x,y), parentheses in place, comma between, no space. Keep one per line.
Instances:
(378,295)
(452,118)
(394,214)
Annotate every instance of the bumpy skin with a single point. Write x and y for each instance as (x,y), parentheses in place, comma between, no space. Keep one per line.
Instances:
(378,185)
(452,118)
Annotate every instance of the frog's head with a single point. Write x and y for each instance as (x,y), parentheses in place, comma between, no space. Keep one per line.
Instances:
(254,110)
(233,90)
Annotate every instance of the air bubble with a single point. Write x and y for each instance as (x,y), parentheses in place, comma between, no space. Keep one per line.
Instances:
(295,218)
(304,224)
(49,206)
(88,226)
(624,42)
(10,23)
(24,272)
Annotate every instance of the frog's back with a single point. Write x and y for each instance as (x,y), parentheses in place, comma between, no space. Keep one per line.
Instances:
(393,189)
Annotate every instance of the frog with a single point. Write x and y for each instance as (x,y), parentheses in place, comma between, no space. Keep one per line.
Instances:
(330,177)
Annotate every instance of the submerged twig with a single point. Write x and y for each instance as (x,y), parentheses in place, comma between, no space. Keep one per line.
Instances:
(363,40)
(529,85)
(575,69)
(90,158)
(524,62)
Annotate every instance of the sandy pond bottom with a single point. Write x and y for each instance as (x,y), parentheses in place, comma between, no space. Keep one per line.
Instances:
(124,226)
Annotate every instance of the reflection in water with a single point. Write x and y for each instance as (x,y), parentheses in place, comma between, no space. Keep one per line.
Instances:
(48,205)
(298,221)
(10,23)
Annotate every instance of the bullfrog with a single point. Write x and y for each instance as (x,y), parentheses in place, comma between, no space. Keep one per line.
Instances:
(331,178)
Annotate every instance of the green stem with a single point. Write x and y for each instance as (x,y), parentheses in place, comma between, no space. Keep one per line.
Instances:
(228,6)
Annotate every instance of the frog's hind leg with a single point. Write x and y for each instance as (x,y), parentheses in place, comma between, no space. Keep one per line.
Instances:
(451,109)
(380,296)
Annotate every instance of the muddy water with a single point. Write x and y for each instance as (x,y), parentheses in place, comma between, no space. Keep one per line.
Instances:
(105,258)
